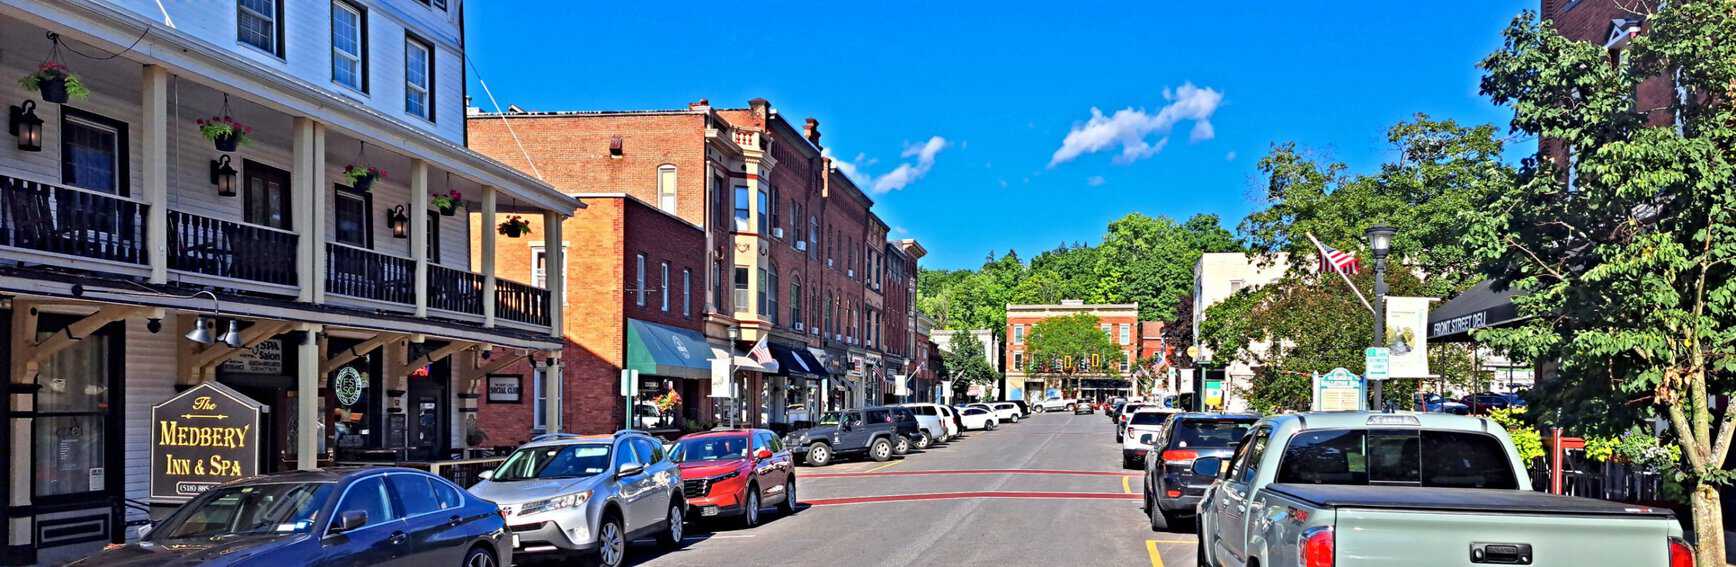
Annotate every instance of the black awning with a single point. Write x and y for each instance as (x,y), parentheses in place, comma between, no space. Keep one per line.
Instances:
(797,361)
(1476,308)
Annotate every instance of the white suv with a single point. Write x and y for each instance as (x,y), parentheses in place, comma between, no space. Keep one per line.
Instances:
(1057,404)
(1144,427)
(931,424)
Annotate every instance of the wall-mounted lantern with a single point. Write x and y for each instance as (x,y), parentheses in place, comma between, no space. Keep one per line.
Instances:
(399,221)
(223,176)
(22,122)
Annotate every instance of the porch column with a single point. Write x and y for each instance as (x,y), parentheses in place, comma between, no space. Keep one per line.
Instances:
(306,201)
(318,213)
(307,401)
(154,151)
(552,386)
(490,198)
(554,265)
(419,231)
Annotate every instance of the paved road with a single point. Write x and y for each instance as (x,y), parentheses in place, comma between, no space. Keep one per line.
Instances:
(1046,491)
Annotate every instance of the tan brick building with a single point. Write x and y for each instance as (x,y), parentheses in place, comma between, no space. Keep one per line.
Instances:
(785,247)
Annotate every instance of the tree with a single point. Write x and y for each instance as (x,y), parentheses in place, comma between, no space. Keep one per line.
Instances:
(1622,232)
(1071,346)
(1150,260)
(966,364)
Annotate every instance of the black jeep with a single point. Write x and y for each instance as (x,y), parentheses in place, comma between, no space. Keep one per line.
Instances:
(843,433)
(907,427)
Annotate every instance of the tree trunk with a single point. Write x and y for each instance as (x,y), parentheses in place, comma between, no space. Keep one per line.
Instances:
(1708,514)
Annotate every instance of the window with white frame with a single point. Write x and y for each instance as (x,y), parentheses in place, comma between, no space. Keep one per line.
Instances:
(663,289)
(418,78)
(1019,334)
(639,280)
(741,299)
(771,286)
(349,45)
(1126,334)
(259,23)
(687,293)
(539,275)
(539,420)
(666,188)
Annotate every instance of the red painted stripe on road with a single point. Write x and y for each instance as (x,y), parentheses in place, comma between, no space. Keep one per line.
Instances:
(969,496)
(967,471)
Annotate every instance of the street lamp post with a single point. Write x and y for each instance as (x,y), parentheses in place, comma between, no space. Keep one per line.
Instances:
(1380,243)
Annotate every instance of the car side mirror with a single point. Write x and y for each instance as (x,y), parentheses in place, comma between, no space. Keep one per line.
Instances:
(485,475)
(762,454)
(349,520)
(1208,466)
(629,469)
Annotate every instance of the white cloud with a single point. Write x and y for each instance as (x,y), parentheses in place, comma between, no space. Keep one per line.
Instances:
(1096,181)
(1130,128)
(901,176)
(1230,156)
(1003,183)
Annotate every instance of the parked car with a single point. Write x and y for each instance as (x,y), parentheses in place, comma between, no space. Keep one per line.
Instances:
(955,427)
(733,473)
(1172,490)
(978,419)
(1058,404)
(1007,412)
(1115,404)
(337,516)
(1484,401)
(904,422)
(1144,426)
(1121,422)
(1084,407)
(589,495)
(1361,488)
(1433,403)
(843,434)
(931,424)
(1024,407)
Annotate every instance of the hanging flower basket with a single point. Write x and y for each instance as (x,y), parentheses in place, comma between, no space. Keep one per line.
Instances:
(514,227)
(362,178)
(223,131)
(448,203)
(55,83)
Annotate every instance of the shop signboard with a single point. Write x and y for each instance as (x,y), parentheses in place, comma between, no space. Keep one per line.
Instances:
(505,388)
(200,438)
(265,358)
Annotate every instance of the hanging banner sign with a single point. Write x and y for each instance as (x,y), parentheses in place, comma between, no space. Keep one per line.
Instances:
(720,377)
(200,438)
(1407,321)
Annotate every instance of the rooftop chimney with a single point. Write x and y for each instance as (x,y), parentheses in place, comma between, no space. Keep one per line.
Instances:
(761,107)
(811,130)
(701,103)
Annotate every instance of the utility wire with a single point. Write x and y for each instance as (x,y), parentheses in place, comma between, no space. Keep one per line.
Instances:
(502,115)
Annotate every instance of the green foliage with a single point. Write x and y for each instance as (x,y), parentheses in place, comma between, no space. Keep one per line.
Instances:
(1525,437)
(1068,345)
(965,363)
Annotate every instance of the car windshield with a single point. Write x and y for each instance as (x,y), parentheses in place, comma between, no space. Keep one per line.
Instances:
(831,418)
(710,449)
(554,461)
(250,509)
(1453,459)
(1148,418)
(1210,434)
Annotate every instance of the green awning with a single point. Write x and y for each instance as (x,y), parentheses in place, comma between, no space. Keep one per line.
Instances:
(661,350)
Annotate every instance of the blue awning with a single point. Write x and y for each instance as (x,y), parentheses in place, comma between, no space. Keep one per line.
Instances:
(663,350)
(797,361)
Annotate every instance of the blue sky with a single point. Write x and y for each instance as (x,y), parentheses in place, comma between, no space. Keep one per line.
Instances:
(959,113)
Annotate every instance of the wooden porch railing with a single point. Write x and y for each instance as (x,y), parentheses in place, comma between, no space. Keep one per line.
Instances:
(454,290)
(367,274)
(519,302)
(214,247)
(47,218)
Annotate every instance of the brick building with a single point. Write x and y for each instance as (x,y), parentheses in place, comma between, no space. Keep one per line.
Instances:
(1119,321)
(788,248)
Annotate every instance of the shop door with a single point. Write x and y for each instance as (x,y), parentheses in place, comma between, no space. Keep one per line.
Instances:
(429,423)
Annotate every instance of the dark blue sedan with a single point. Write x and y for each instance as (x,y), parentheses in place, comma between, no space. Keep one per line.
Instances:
(336,517)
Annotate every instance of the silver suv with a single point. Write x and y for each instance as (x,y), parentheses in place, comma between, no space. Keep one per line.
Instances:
(587,495)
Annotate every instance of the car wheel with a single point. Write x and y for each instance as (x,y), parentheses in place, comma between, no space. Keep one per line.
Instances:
(671,537)
(902,446)
(1015,418)
(923,441)
(992,425)
(478,557)
(819,455)
(789,496)
(611,542)
(1161,520)
(1200,539)
(750,511)
(1146,505)
(1071,407)
(880,450)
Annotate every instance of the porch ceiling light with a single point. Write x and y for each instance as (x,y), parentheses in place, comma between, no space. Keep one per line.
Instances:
(223,176)
(232,338)
(23,122)
(201,332)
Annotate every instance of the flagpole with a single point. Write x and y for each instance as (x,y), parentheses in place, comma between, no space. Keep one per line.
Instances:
(1322,251)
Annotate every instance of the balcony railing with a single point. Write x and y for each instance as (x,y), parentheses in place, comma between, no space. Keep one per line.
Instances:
(367,274)
(514,301)
(454,290)
(228,249)
(46,218)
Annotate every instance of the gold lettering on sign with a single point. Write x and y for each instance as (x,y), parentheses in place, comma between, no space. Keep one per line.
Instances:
(172,434)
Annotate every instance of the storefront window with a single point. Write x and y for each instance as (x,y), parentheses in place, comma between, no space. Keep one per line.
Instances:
(69,432)
(659,404)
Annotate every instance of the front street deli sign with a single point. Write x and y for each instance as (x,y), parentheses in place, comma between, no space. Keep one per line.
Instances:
(203,437)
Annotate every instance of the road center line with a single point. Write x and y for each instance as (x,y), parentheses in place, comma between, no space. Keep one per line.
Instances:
(976,495)
(870,472)
(1151,549)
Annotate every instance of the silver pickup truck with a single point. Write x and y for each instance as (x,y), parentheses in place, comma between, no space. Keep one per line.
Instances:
(1355,488)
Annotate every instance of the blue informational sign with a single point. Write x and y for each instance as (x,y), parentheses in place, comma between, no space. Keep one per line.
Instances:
(1053,393)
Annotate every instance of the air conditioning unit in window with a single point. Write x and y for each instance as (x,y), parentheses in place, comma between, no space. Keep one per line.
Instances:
(801,246)
(798,326)
(852,273)
(828,262)
(815,331)
(777,232)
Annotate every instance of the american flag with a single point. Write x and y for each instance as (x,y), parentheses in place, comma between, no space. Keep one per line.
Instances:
(763,355)
(1337,261)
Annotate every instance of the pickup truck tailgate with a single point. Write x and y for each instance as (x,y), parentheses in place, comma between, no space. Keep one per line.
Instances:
(1378,525)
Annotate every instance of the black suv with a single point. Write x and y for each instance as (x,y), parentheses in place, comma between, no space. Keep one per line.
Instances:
(1172,490)
(904,422)
(840,433)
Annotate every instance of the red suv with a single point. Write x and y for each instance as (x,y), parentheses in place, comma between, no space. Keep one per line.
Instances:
(734,473)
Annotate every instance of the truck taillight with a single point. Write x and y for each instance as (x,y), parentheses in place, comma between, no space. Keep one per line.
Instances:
(1681,555)
(1180,455)
(1316,547)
